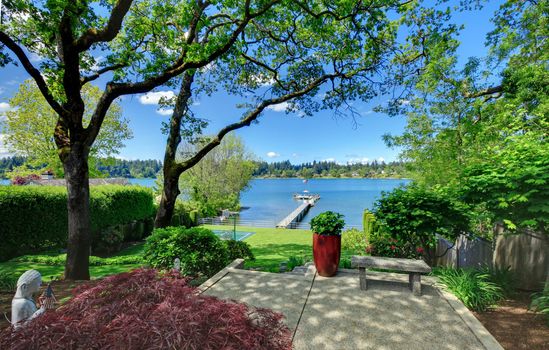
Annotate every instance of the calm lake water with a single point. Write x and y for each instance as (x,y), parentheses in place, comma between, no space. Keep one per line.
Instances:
(270,200)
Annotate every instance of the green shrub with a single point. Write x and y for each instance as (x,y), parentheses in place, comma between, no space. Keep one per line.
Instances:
(540,302)
(201,252)
(415,215)
(474,288)
(328,223)
(238,250)
(184,215)
(354,241)
(34,218)
(504,278)
(8,281)
(369,223)
(108,240)
(295,261)
(383,244)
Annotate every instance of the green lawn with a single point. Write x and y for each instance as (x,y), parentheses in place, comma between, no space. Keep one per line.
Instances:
(51,271)
(271,246)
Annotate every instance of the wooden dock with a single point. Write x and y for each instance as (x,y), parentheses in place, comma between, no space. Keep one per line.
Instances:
(295,216)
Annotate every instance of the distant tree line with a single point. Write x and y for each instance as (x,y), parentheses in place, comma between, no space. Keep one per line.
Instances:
(374,169)
(107,167)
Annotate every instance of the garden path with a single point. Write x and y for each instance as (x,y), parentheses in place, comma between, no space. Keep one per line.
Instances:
(333,313)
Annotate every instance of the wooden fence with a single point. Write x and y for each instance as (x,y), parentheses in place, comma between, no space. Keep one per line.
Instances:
(525,254)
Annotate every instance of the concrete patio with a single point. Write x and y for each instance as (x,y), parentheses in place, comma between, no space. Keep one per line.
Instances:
(333,313)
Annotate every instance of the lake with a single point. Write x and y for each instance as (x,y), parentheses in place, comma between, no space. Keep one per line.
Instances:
(270,200)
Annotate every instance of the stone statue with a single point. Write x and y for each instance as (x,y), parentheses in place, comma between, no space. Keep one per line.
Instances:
(23,308)
(177,265)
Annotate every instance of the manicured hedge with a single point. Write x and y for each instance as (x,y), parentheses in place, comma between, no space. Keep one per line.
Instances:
(35,217)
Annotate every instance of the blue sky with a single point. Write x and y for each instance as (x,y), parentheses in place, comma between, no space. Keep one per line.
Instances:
(278,136)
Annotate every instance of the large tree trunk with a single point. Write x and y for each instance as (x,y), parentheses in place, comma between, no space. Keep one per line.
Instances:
(167,202)
(170,169)
(78,206)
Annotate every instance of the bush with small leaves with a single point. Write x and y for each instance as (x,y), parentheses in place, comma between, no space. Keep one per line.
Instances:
(239,250)
(200,251)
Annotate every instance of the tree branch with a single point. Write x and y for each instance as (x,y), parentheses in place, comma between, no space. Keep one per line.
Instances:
(97,74)
(33,72)
(247,120)
(92,35)
(489,91)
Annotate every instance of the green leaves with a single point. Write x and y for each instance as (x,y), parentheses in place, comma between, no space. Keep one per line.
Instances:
(328,223)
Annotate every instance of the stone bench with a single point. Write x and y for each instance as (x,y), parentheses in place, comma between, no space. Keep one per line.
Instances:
(414,267)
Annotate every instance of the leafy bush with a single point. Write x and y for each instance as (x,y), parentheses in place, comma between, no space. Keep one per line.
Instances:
(504,278)
(473,287)
(354,241)
(238,250)
(34,218)
(144,309)
(109,240)
(328,223)
(415,215)
(540,302)
(8,281)
(382,244)
(184,214)
(201,252)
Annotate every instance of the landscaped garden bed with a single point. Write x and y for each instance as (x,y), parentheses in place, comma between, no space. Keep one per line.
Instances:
(514,326)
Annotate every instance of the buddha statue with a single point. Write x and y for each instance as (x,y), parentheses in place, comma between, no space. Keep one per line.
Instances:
(23,307)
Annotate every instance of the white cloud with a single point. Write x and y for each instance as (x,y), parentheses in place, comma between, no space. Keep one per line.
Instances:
(367,112)
(273,154)
(164,111)
(34,57)
(153,98)
(295,155)
(329,160)
(196,103)
(358,160)
(281,107)
(4,107)
(380,159)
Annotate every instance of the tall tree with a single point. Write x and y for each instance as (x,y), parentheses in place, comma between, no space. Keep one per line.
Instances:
(29,128)
(133,45)
(482,127)
(306,56)
(216,181)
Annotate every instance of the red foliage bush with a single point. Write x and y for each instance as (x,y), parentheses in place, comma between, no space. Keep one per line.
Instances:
(145,309)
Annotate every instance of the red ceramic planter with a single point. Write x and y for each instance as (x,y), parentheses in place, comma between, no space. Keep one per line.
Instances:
(326,253)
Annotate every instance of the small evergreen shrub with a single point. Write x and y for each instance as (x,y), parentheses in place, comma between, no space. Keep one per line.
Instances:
(145,309)
(354,241)
(238,250)
(200,251)
(474,288)
(109,240)
(540,302)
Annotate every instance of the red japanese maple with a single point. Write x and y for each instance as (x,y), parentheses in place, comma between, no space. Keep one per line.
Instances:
(145,309)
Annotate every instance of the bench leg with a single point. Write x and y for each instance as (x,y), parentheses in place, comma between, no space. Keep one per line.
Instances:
(362,276)
(415,283)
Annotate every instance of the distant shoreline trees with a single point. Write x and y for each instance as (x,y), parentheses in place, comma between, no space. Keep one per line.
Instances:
(149,168)
(316,169)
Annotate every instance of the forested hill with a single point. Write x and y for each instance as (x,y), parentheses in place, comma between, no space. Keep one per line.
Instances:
(374,169)
(111,168)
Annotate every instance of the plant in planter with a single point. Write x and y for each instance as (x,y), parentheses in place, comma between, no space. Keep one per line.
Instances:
(326,229)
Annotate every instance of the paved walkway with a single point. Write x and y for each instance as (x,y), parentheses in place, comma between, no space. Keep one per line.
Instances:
(333,313)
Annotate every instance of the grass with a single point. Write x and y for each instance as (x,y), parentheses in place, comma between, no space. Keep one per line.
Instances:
(51,264)
(271,246)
